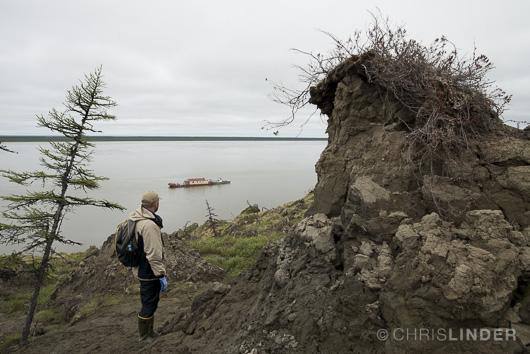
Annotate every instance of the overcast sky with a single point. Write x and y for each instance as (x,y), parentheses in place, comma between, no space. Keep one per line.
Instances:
(199,68)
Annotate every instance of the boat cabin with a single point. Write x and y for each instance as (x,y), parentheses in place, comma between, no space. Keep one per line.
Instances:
(196,181)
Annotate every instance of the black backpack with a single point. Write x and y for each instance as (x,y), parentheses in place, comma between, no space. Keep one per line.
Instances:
(130,251)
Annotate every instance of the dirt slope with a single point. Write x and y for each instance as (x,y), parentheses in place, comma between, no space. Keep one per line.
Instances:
(114,329)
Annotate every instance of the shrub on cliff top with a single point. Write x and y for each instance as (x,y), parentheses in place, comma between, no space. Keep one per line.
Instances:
(445,91)
(451,101)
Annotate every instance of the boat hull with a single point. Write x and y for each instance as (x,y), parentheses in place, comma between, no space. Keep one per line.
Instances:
(190,185)
(178,185)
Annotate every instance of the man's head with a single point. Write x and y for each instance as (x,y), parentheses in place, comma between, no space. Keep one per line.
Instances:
(150,201)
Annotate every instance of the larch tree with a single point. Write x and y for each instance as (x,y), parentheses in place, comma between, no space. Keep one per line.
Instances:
(34,219)
(211,218)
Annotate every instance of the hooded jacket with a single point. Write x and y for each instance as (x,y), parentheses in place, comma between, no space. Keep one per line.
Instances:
(148,226)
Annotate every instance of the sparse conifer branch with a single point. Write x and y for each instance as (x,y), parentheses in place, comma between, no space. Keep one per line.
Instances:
(5,148)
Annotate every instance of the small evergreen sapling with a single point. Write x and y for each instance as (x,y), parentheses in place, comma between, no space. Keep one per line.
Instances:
(35,218)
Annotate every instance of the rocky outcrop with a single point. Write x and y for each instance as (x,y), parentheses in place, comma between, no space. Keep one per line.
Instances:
(373,256)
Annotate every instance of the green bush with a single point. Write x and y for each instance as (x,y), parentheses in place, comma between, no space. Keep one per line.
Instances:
(14,261)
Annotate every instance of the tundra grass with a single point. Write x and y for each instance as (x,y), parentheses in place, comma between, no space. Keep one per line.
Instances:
(241,241)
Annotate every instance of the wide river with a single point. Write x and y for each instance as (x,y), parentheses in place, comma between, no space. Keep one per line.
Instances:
(268,173)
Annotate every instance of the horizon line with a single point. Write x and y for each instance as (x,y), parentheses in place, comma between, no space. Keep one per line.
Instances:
(36,138)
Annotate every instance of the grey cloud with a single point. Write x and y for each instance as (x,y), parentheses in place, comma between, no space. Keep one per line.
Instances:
(200,67)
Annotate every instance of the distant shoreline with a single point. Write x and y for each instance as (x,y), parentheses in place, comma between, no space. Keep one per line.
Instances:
(32,138)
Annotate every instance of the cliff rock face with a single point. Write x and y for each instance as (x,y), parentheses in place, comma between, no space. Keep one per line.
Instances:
(373,256)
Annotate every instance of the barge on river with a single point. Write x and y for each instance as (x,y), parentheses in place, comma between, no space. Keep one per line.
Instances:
(197,182)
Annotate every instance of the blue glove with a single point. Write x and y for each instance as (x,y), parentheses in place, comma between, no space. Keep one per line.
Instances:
(163,284)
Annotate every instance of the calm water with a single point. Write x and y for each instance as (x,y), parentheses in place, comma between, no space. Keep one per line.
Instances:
(267,173)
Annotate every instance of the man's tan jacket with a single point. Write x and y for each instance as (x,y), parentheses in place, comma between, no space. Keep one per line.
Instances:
(153,247)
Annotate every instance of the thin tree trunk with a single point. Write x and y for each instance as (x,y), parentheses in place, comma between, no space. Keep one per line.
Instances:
(49,241)
(36,289)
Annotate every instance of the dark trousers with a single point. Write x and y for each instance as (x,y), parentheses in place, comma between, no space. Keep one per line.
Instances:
(149,295)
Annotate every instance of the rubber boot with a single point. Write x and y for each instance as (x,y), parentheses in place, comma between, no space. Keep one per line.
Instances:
(152,332)
(144,326)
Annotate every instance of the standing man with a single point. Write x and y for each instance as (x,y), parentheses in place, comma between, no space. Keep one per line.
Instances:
(151,271)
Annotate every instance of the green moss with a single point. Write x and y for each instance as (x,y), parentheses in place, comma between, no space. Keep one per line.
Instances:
(49,316)
(10,339)
(45,293)
(18,303)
